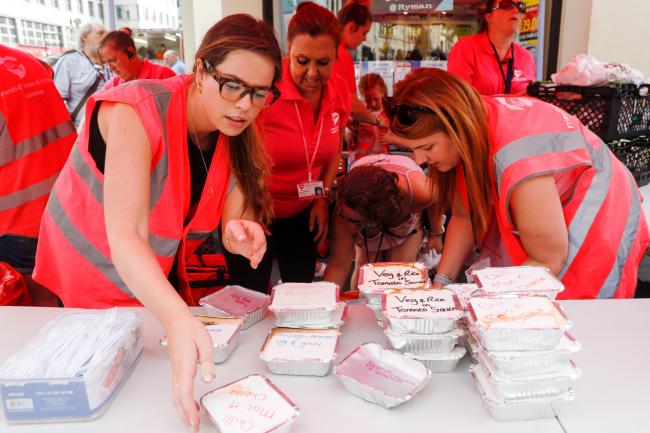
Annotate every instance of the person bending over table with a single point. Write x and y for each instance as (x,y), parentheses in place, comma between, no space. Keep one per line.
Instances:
(527,183)
(378,215)
(491,60)
(302,136)
(161,165)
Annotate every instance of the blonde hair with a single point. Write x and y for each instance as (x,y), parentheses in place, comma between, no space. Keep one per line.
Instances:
(459,113)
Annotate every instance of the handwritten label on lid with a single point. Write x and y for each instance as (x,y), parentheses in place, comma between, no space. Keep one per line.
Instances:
(300,345)
(517,279)
(532,312)
(237,300)
(421,304)
(305,296)
(249,405)
(392,276)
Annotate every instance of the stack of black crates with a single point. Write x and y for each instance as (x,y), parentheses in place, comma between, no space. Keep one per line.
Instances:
(618,113)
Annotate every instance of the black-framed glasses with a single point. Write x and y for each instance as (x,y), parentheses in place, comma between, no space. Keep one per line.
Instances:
(233,90)
(507,5)
(407,114)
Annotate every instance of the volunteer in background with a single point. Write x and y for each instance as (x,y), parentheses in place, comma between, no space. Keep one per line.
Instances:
(527,183)
(161,165)
(117,50)
(303,138)
(491,60)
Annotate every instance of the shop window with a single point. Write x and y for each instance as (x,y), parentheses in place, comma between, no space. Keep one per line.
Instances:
(8,31)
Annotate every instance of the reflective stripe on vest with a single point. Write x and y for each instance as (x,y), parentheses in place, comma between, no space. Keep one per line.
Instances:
(25,195)
(589,207)
(10,151)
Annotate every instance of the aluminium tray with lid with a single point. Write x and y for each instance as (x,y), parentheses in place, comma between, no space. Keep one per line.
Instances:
(423,343)
(440,362)
(526,280)
(338,320)
(382,376)
(525,363)
(421,311)
(252,404)
(305,304)
(237,301)
(516,322)
(518,410)
(374,278)
(301,352)
(224,332)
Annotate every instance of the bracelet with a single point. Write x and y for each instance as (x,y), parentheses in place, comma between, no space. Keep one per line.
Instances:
(436,234)
(444,279)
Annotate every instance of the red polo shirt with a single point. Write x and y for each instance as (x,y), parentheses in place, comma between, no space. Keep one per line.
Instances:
(283,139)
(149,70)
(472,58)
(344,69)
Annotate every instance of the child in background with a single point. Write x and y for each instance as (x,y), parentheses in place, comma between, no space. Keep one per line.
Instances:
(364,138)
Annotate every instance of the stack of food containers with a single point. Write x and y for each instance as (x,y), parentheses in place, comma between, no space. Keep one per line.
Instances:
(374,278)
(305,339)
(519,340)
(422,325)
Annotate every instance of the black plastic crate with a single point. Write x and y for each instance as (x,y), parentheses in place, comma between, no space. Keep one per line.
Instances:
(612,112)
(635,154)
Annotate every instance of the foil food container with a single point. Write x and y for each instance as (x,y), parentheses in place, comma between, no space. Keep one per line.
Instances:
(382,376)
(528,280)
(301,352)
(423,343)
(338,320)
(517,410)
(526,363)
(237,301)
(224,332)
(374,278)
(305,304)
(463,292)
(430,311)
(517,323)
(252,404)
(440,362)
(538,385)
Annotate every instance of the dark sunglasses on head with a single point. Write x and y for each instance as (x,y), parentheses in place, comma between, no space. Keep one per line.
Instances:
(507,5)
(407,114)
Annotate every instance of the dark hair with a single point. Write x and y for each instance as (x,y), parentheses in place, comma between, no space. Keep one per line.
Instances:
(248,160)
(354,12)
(482,22)
(120,40)
(314,20)
(370,81)
(372,192)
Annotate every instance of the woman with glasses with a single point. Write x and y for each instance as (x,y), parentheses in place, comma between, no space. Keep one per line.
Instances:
(161,165)
(302,134)
(527,185)
(491,60)
(379,205)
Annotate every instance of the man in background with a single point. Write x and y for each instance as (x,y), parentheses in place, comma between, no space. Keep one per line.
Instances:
(77,75)
(171,58)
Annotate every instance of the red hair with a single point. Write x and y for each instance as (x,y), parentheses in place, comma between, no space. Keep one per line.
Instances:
(314,20)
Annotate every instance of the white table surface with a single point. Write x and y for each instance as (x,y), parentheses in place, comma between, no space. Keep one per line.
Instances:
(449,403)
(613,394)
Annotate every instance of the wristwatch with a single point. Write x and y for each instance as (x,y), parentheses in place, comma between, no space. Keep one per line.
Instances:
(444,279)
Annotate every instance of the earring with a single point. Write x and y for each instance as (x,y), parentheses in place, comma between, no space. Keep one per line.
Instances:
(199,86)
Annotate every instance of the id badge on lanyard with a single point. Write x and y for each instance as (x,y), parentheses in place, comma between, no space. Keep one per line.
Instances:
(310,189)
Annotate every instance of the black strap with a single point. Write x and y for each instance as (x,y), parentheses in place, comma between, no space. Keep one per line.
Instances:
(507,79)
(365,242)
(90,90)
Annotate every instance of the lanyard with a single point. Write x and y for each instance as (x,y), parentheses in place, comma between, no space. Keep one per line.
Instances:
(507,80)
(310,162)
(365,242)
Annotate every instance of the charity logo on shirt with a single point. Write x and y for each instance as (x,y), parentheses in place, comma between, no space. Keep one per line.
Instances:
(514,103)
(335,123)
